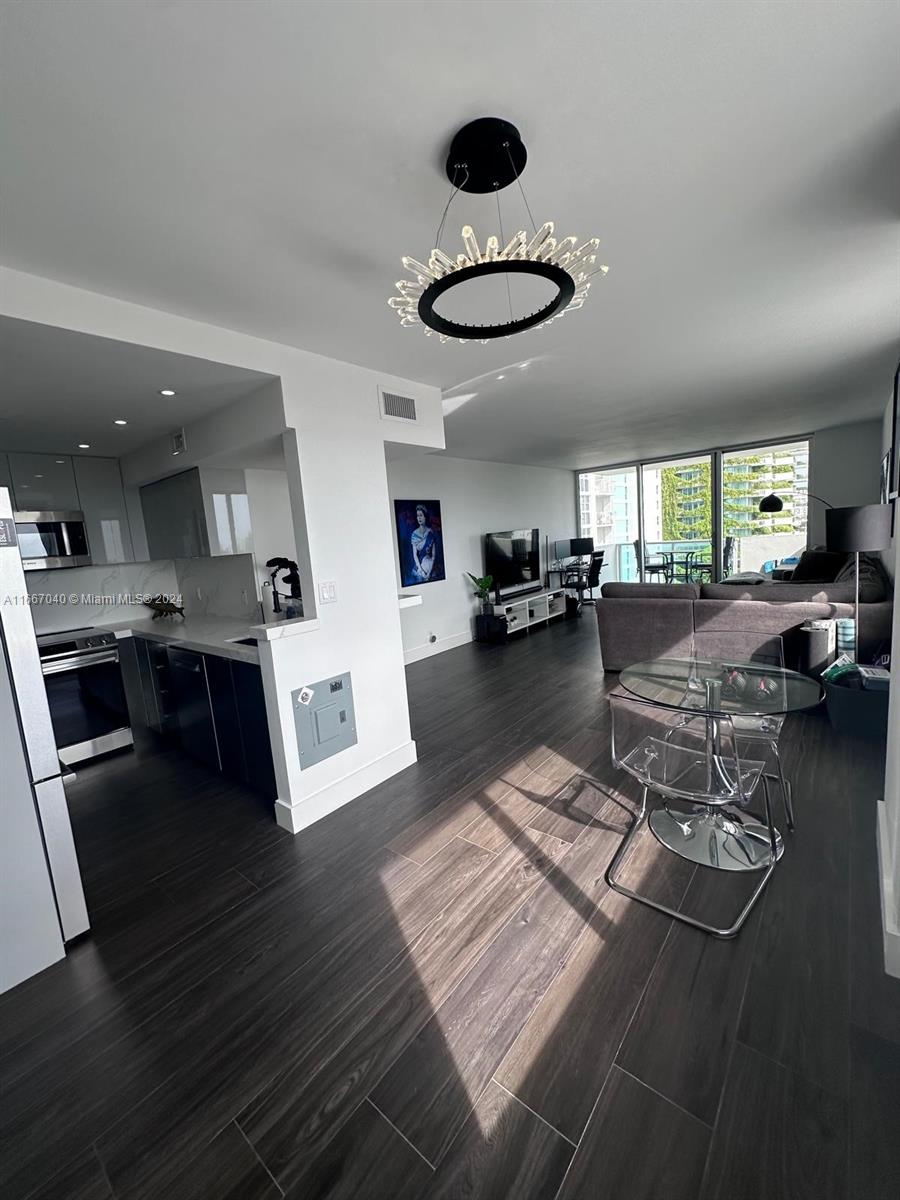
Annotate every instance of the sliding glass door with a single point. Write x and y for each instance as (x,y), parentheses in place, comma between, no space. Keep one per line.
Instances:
(755,541)
(678,520)
(608,513)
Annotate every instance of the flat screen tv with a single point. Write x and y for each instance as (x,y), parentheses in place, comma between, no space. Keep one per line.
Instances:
(513,558)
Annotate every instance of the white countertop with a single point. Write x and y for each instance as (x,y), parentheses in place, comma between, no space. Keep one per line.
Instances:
(207,635)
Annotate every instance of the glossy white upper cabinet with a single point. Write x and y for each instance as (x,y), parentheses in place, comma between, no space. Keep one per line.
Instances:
(43,483)
(102,500)
(174,517)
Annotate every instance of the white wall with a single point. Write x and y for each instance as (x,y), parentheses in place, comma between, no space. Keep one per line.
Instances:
(333,408)
(844,466)
(270,516)
(476,498)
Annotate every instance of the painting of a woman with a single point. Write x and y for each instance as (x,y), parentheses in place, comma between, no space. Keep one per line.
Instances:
(420,541)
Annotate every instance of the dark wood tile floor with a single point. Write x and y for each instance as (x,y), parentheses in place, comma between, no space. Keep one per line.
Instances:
(433,994)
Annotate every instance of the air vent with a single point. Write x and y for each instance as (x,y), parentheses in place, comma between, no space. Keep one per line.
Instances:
(179,445)
(396,408)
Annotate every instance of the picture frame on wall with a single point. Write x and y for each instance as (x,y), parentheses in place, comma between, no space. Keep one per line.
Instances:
(420,541)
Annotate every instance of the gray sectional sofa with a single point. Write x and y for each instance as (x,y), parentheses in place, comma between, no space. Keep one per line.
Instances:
(639,621)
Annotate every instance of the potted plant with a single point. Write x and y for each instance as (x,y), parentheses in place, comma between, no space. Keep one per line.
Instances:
(483,587)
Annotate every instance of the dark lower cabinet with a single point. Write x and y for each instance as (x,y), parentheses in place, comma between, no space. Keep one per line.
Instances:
(214,707)
(196,727)
(259,771)
(225,714)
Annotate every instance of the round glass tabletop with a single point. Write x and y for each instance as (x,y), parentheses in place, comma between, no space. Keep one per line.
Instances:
(726,686)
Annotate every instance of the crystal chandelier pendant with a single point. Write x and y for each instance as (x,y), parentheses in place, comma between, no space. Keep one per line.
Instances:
(487,155)
(569,266)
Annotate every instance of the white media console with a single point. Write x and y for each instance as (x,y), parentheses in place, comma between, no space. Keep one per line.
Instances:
(536,608)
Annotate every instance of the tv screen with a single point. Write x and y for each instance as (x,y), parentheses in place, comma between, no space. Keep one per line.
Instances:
(513,558)
(579,546)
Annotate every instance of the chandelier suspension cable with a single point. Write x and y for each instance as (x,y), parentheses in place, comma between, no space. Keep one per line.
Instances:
(503,243)
(453,191)
(521,189)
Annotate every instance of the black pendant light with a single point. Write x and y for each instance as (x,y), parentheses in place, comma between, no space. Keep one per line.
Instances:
(485,156)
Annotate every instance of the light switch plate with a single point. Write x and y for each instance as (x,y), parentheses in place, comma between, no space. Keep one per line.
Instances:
(328,592)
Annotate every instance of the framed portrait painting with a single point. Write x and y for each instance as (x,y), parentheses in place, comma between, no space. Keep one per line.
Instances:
(420,541)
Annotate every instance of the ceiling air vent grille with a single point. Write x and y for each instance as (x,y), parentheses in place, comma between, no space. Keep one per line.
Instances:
(397,408)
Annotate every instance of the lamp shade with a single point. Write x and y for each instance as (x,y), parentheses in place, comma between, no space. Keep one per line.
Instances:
(865,527)
(771,503)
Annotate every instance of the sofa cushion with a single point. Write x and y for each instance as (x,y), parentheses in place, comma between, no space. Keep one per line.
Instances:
(746,577)
(781,593)
(818,566)
(651,591)
(873,582)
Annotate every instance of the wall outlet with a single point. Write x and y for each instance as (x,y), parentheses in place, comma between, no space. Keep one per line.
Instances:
(328,592)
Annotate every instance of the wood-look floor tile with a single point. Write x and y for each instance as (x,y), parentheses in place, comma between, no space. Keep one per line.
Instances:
(874,1117)
(797,1004)
(680,1039)
(292,1119)
(368,1160)
(637,1146)
(502,1150)
(427,1093)
(778,1136)
(560,1060)
(83,1179)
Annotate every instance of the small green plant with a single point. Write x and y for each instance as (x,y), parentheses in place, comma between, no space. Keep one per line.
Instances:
(482,585)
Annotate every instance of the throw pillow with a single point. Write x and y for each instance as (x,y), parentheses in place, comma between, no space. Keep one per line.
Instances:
(818,566)
(873,585)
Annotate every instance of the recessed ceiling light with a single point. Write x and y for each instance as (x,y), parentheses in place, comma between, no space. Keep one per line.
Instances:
(84,445)
(39,477)
(120,422)
(167,392)
(61,461)
(501,376)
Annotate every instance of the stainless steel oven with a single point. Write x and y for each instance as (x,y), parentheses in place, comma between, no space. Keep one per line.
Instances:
(52,539)
(85,693)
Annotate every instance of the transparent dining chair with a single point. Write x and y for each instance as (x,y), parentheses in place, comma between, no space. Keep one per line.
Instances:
(758,734)
(706,785)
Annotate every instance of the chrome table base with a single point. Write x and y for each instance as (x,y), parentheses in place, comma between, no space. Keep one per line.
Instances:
(726,838)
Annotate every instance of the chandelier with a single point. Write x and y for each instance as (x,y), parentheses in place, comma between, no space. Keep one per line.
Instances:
(486,156)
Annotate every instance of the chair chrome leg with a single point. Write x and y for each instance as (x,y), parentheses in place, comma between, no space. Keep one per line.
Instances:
(786,797)
(727,932)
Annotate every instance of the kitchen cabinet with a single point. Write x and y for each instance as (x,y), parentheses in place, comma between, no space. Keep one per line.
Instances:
(225,715)
(102,500)
(259,771)
(174,517)
(43,483)
(190,691)
(213,706)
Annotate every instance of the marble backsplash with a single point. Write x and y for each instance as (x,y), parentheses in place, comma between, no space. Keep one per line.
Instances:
(223,586)
(74,597)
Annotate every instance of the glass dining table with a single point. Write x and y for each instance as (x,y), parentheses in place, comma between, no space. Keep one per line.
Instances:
(740,697)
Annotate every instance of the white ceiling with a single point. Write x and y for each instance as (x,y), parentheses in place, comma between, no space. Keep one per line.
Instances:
(59,388)
(264,165)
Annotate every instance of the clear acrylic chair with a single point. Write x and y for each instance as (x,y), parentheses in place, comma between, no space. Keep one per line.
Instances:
(706,785)
(757,734)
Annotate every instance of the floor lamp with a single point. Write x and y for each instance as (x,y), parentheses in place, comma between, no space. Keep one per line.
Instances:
(865,528)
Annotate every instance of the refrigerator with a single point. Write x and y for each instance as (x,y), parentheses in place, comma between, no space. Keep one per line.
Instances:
(42,902)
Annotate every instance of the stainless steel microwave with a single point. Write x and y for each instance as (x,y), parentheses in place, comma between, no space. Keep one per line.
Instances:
(52,539)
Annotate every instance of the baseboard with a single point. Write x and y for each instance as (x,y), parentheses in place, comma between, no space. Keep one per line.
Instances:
(438,647)
(889,899)
(295,817)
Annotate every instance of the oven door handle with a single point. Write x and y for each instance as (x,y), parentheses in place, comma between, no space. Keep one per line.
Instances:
(54,664)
